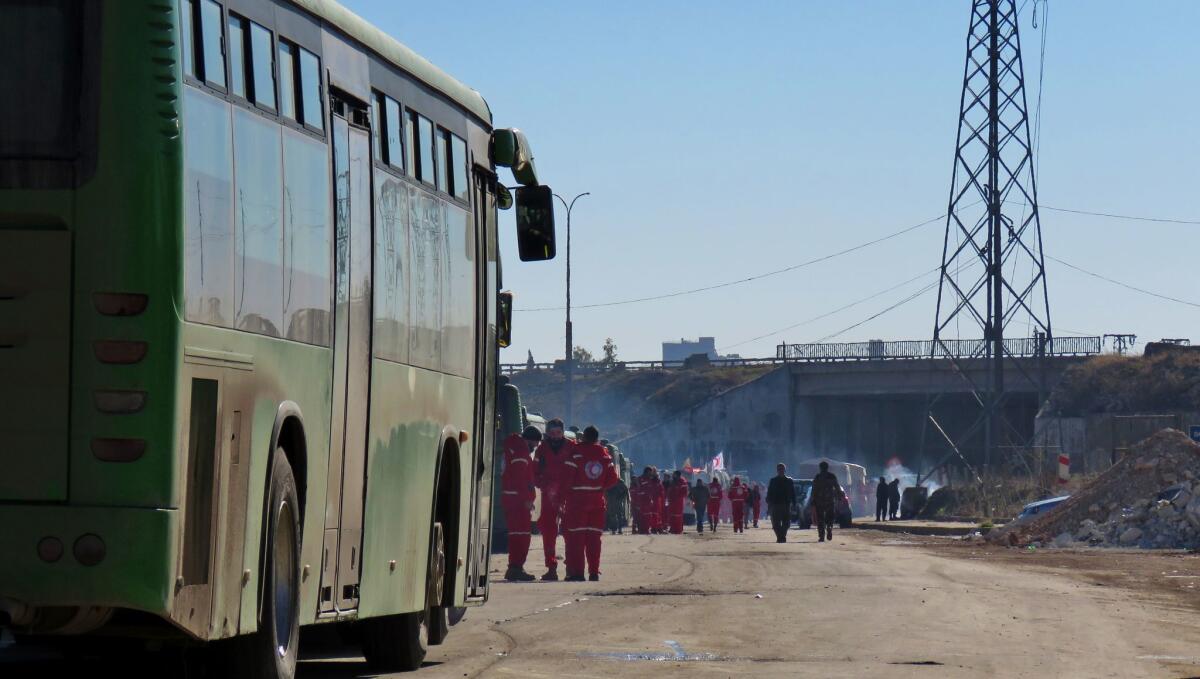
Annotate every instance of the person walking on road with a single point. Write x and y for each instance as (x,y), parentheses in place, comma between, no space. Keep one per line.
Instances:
(827,493)
(755,501)
(517,492)
(589,473)
(618,506)
(882,493)
(781,495)
(715,495)
(893,499)
(737,501)
(677,494)
(700,503)
(548,472)
(652,499)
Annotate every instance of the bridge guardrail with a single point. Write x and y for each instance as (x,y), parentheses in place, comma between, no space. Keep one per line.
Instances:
(873,350)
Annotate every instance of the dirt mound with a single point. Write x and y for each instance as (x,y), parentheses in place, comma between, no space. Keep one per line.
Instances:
(1125,497)
(1164,382)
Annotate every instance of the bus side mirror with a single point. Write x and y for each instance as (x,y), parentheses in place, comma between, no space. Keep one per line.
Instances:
(504,320)
(535,223)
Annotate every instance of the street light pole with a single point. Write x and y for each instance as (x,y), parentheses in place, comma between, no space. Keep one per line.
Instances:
(570,358)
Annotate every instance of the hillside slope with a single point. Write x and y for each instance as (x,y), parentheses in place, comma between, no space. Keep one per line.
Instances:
(622,402)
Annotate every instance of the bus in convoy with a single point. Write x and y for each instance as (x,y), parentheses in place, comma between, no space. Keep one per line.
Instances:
(250,319)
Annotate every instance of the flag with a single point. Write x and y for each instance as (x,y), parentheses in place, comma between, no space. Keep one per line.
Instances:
(718,462)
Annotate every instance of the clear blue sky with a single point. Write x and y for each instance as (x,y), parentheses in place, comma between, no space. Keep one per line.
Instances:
(724,139)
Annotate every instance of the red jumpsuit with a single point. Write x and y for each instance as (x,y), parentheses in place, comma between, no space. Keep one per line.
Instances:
(590,472)
(653,502)
(635,504)
(714,503)
(517,498)
(548,474)
(737,500)
(677,495)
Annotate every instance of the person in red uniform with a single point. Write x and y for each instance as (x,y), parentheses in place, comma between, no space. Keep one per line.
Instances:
(548,473)
(653,499)
(589,473)
(516,483)
(756,501)
(636,498)
(737,500)
(677,495)
(714,504)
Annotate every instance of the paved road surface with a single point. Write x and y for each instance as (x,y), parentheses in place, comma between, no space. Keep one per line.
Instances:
(869,604)
(865,605)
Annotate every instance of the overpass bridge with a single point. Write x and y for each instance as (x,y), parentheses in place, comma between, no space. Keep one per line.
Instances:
(842,352)
(863,402)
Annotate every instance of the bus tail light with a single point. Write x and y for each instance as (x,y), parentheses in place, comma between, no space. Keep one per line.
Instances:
(122,352)
(118,450)
(119,402)
(89,549)
(50,549)
(120,303)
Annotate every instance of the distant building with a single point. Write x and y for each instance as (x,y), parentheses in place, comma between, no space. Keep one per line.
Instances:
(676,352)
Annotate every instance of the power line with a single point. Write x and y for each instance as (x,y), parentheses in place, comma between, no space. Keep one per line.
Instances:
(1123,285)
(1110,215)
(748,279)
(860,246)
(881,312)
(834,311)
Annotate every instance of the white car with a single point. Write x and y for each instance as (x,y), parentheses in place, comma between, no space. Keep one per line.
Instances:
(1035,509)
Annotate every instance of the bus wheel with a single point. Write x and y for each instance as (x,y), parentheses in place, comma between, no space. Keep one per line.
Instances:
(271,652)
(439,622)
(395,643)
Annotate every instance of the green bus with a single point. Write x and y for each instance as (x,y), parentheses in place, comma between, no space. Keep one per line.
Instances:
(250,316)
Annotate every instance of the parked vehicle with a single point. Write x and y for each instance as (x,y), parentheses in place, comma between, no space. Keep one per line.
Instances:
(1035,509)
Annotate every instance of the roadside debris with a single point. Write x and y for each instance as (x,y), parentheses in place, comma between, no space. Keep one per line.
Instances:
(1150,500)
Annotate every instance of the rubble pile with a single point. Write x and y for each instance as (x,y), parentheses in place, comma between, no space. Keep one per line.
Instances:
(1122,507)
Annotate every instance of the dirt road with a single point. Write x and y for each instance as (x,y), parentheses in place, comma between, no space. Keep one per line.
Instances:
(867,604)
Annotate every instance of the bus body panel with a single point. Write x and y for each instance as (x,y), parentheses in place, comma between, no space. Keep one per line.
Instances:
(128,240)
(137,571)
(410,409)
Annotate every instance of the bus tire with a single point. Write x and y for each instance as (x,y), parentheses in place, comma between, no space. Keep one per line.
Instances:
(438,615)
(272,651)
(399,643)
(395,643)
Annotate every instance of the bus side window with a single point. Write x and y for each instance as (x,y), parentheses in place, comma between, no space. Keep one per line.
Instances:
(442,150)
(201,27)
(287,80)
(262,71)
(410,143)
(310,91)
(458,161)
(391,122)
(237,55)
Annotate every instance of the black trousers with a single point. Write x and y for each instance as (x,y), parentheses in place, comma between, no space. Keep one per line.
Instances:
(781,519)
(826,515)
(881,508)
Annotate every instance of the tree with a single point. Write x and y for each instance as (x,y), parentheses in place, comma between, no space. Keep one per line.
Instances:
(581,355)
(610,352)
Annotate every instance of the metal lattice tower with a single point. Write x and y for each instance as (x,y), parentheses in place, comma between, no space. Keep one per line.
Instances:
(993,274)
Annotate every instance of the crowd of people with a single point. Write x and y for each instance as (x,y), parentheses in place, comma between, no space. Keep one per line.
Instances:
(582,495)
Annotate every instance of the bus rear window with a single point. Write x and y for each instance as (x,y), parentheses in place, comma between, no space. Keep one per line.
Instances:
(41,43)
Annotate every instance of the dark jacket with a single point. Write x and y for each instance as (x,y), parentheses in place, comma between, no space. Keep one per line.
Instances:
(781,491)
(882,492)
(894,492)
(825,489)
(700,495)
